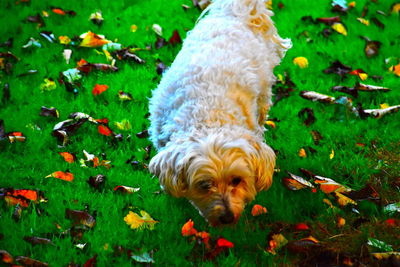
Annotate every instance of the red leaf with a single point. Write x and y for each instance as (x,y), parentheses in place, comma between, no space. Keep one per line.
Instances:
(301,227)
(221,242)
(68,157)
(99,88)
(188,228)
(104,130)
(175,38)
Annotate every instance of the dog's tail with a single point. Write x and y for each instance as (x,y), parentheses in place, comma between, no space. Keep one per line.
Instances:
(252,12)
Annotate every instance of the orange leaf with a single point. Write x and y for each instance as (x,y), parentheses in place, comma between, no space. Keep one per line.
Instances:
(258,210)
(68,157)
(58,11)
(91,39)
(103,121)
(6,257)
(99,88)
(12,201)
(81,62)
(221,242)
(104,130)
(188,229)
(66,176)
(205,237)
(26,193)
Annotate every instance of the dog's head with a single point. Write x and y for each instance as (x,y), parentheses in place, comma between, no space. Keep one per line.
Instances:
(219,176)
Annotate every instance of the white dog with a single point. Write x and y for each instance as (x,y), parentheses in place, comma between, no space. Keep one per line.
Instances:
(208,112)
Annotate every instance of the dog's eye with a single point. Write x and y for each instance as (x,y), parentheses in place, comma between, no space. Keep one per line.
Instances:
(204,185)
(236,181)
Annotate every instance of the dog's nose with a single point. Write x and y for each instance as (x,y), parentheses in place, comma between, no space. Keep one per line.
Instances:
(227,217)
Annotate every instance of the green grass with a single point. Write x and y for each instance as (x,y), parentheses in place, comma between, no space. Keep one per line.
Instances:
(24,165)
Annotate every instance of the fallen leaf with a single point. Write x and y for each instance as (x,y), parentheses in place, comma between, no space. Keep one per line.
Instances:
(68,157)
(295,182)
(223,243)
(25,261)
(329,20)
(315,96)
(338,68)
(340,28)
(395,8)
(91,39)
(64,129)
(67,55)
(378,23)
(327,185)
(66,176)
(363,21)
(395,69)
(175,38)
(343,200)
(270,123)
(188,228)
(89,67)
(36,19)
(258,210)
(80,217)
(378,113)
(302,153)
(126,189)
(123,96)
(96,18)
(340,222)
(157,29)
(34,240)
(360,73)
(303,245)
(276,241)
(143,258)
(92,262)
(302,62)
(143,134)
(48,85)
(99,88)
(49,112)
(6,257)
(307,114)
(332,154)
(301,227)
(126,54)
(133,28)
(123,125)
(140,222)
(97,182)
(22,197)
(316,136)
(386,255)
(104,130)
(63,12)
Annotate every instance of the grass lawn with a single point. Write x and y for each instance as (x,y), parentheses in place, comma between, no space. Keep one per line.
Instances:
(82,222)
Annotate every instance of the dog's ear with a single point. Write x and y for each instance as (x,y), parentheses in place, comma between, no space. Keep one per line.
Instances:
(170,165)
(263,160)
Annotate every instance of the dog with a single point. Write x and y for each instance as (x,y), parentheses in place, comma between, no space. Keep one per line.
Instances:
(208,112)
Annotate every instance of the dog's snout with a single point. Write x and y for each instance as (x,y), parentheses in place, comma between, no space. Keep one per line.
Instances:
(227,217)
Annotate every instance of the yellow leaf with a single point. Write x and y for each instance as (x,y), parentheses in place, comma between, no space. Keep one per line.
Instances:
(48,85)
(302,153)
(134,28)
(302,62)
(344,200)
(384,105)
(124,125)
(363,21)
(64,40)
(270,123)
(363,76)
(45,13)
(339,27)
(332,155)
(268,4)
(277,241)
(140,222)
(396,8)
(91,39)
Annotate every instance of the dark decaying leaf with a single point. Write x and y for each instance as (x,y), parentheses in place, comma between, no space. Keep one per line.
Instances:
(27,73)
(97,182)
(161,67)
(148,149)
(126,189)
(143,134)
(347,90)
(64,129)
(372,48)
(307,114)
(378,23)
(303,245)
(368,192)
(17,213)
(36,19)
(6,93)
(316,136)
(329,20)
(160,42)
(28,262)
(175,38)
(34,240)
(370,88)
(125,54)
(80,217)
(89,67)
(9,55)
(8,43)
(49,112)
(2,131)
(339,68)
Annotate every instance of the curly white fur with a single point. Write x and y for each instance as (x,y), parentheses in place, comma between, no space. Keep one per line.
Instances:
(215,97)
